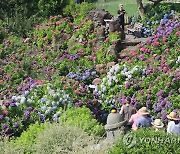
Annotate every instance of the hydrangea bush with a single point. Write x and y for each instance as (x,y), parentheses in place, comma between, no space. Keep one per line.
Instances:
(150,76)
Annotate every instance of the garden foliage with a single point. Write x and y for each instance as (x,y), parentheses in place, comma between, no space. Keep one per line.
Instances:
(46,77)
(147,141)
(82,118)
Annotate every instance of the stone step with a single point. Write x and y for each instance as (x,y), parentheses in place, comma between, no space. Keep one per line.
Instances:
(130,43)
(127,51)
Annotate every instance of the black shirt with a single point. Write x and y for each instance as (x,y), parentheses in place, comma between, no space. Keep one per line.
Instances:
(121,17)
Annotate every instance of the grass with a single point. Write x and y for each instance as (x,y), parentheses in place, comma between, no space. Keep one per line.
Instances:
(113,5)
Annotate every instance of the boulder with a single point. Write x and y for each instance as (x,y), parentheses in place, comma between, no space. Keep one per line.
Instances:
(99,67)
(114,26)
(112,50)
(110,64)
(99,16)
(100,32)
(96,81)
(102,71)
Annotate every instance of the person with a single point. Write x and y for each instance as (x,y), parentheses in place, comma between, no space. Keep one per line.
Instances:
(135,116)
(115,127)
(173,125)
(144,121)
(157,124)
(121,12)
(127,111)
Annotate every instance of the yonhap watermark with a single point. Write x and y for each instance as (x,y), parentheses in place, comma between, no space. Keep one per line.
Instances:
(159,140)
(131,139)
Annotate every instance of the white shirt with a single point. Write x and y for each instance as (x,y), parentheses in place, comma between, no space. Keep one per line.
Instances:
(173,128)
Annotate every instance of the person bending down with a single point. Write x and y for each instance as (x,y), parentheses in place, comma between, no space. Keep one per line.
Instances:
(136,116)
(144,121)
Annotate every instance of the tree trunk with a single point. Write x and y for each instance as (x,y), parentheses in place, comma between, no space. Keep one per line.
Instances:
(140,8)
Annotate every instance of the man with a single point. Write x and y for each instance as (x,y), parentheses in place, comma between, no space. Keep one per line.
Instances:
(121,12)
(127,110)
(136,116)
(144,121)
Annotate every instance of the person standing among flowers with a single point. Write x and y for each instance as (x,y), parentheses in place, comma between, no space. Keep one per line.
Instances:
(121,12)
(173,125)
(127,111)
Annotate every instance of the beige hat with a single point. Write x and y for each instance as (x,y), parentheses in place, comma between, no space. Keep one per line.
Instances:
(120,5)
(157,123)
(143,111)
(173,116)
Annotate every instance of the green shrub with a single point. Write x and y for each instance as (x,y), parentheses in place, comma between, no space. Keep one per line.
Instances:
(147,141)
(50,139)
(51,7)
(6,148)
(82,118)
(61,139)
(27,138)
(78,11)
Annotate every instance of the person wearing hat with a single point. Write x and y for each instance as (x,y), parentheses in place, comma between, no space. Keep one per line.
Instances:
(121,12)
(173,125)
(144,121)
(157,124)
(135,116)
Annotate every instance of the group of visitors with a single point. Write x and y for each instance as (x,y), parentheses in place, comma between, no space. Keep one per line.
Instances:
(139,117)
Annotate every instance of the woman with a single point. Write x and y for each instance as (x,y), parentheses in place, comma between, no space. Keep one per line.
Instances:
(173,125)
(157,124)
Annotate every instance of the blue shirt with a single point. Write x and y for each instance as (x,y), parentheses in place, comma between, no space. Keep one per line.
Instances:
(143,122)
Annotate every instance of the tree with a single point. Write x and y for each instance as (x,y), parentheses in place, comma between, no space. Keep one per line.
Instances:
(142,10)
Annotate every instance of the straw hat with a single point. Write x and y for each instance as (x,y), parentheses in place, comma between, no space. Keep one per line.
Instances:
(143,111)
(173,116)
(120,5)
(157,123)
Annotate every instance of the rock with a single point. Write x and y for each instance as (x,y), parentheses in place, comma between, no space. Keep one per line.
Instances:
(114,26)
(125,53)
(99,16)
(99,67)
(110,64)
(102,71)
(112,50)
(96,81)
(128,51)
(100,32)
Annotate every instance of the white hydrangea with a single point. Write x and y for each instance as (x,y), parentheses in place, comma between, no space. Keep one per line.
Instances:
(26,93)
(29,101)
(178,60)
(23,100)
